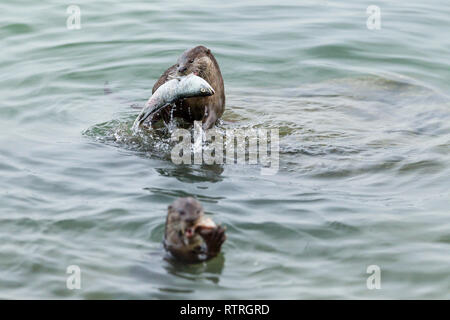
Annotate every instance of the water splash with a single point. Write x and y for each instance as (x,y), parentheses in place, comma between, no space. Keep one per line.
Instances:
(199,139)
(120,133)
(172,125)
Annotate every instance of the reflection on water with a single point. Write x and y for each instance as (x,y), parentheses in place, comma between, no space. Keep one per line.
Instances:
(192,174)
(210,271)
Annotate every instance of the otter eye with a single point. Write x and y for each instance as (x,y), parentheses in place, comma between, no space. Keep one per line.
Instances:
(178,64)
(191,61)
(198,211)
(182,212)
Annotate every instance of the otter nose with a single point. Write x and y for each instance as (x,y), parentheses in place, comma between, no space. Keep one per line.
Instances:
(191,219)
(182,69)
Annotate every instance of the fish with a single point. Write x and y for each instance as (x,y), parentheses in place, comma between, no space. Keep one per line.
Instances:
(178,88)
(205,223)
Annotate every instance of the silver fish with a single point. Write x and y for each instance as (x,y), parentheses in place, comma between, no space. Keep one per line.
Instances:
(171,91)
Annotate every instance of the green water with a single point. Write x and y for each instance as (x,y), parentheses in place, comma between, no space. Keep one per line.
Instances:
(364,150)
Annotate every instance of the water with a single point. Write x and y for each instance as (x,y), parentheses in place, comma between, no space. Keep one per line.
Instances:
(364,151)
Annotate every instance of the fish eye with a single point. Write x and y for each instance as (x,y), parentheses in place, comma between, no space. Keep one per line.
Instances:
(203,90)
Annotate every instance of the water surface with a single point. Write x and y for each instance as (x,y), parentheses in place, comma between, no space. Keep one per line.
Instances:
(364,150)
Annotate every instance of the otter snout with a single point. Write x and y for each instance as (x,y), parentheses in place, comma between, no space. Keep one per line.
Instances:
(190,221)
(182,69)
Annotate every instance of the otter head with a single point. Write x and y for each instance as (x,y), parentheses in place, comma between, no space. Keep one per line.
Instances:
(195,60)
(182,217)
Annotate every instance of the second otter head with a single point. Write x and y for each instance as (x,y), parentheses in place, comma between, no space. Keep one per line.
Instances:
(183,215)
(195,60)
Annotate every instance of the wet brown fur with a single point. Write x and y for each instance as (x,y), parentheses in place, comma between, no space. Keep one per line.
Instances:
(204,245)
(201,61)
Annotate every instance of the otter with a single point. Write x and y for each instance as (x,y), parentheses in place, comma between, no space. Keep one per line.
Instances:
(189,236)
(201,62)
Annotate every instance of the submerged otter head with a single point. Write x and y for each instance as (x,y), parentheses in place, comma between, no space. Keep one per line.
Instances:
(196,60)
(183,216)
(189,235)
